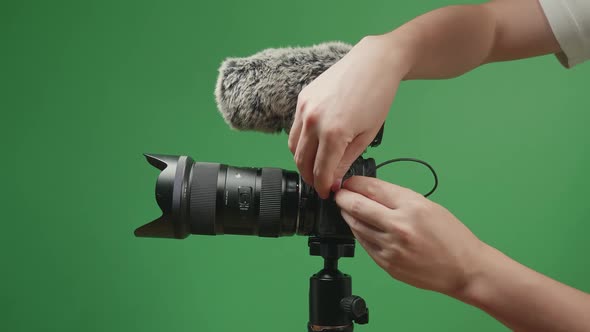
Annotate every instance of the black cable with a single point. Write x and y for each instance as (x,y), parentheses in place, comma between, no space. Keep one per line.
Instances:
(415,161)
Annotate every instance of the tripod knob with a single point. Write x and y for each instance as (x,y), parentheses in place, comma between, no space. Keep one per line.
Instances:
(356,308)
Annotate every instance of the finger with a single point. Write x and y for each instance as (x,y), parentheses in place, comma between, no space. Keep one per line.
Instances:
(364,209)
(305,153)
(373,249)
(362,229)
(330,150)
(295,130)
(385,193)
(353,151)
(336,184)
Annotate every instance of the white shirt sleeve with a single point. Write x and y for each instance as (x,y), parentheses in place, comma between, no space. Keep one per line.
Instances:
(570,22)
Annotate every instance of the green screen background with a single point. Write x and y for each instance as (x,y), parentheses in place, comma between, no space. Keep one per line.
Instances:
(88,86)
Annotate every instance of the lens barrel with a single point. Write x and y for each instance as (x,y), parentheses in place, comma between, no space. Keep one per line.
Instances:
(245,201)
(212,199)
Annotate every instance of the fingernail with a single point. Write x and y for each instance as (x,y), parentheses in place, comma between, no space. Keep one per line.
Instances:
(336,185)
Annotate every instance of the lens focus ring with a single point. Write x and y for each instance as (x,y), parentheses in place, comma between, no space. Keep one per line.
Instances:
(270,202)
(203,198)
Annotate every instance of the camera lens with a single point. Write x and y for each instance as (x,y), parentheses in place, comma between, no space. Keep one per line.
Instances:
(211,198)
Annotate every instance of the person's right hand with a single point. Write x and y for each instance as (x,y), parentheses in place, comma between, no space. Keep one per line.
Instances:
(342,110)
(412,238)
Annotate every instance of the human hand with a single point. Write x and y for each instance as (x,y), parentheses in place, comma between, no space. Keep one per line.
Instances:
(342,110)
(412,238)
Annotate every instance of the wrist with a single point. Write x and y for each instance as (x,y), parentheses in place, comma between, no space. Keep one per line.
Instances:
(395,51)
(479,285)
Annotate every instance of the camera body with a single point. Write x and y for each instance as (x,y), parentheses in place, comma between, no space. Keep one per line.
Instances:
(324,219)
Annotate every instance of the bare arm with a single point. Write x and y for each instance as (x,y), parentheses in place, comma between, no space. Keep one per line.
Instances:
(523,299)
(450,41)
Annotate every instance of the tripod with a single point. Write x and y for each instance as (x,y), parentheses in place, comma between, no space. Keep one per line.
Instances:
(332,307)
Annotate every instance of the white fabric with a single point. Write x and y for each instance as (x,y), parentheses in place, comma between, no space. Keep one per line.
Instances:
(570,22)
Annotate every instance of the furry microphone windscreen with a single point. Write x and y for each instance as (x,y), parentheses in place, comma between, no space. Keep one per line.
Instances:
(260,92)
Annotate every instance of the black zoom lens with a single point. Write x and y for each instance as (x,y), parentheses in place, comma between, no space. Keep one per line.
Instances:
(211,198)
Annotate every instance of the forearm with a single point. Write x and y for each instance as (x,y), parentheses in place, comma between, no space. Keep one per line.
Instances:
(523,299)
(451,41)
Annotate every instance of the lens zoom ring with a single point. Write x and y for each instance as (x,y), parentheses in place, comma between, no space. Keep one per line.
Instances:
(270,202)
(203,198)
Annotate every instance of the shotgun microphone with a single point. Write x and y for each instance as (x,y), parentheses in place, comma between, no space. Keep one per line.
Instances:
(259,92)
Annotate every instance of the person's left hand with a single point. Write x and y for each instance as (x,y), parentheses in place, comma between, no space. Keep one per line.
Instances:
(412,238)
(340,112)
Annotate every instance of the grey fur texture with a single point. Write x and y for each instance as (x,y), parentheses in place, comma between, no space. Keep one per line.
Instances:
(260,92)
